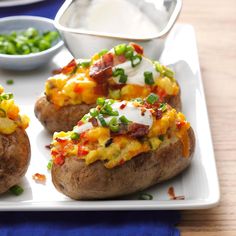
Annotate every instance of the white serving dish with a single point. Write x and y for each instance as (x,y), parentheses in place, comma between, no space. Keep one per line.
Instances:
(33,60)
(11,3)
(199,183)
(84,43)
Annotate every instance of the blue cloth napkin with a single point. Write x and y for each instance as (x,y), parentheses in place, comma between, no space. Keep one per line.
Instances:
(120,223)
(46,8)
(109,223)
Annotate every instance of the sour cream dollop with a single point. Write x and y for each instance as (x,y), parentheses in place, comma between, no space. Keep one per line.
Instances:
(129,110)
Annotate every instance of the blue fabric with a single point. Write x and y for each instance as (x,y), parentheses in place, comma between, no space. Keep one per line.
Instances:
(120,223)
(46,8)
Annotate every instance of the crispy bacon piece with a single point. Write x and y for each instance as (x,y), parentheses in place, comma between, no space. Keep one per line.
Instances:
(39,178)
(69,68)
(137,130)
(102,69)
(137,48)
(172,196)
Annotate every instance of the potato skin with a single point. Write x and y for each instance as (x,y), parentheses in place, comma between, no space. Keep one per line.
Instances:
(79,181)
(55,118)
(14,158)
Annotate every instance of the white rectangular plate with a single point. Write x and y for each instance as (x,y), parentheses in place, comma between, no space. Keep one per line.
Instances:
(198,184)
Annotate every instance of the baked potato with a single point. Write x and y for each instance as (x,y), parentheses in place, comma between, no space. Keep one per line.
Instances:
(120,148)
(14,143)
(122,73)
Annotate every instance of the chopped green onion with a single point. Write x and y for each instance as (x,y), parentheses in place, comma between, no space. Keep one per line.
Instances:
(152,98)
(6,96)
(139,100)
(159,67)
(10,81)
(129,52)
(115,94)
(101,53)
(16,190)
(120,49)
(124,120)
(74,136)
(136,60)
(169,73)
(49,165)
(161,137)
(2,113)
(93,112)
(102,120)
(123,79)
(85,63)
(85,117)
(100,101)
(148,78)
(163,107)
(118,71)
(113,125)
(145,196)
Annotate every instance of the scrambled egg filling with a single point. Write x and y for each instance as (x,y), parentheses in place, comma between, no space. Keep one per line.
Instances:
(97,143)
(10,118)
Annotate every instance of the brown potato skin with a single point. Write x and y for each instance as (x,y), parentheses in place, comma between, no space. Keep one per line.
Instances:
(79,181)
(64,118)
(14,158)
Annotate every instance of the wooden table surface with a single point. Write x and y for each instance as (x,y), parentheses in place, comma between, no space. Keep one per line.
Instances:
(215,25)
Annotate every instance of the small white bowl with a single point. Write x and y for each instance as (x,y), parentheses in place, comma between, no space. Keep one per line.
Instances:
(33,60)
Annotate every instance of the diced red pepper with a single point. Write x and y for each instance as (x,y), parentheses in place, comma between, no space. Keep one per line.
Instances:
(78,89)
(82,151)
(137,48)
(122,58)
(161,93)
(80,123)
(122,106)
(121,162)
(180,124)
(59,160)
(62,141)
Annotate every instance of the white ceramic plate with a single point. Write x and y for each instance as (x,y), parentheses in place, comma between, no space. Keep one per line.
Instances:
(199,184)
(10,3)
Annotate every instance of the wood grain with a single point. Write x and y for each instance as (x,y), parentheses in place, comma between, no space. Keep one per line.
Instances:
(215,25)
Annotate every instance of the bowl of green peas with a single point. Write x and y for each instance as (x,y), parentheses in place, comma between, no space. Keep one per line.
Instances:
(27,42)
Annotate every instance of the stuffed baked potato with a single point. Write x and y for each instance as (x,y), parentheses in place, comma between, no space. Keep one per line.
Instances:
(121,147)
(122,73)
(14,143)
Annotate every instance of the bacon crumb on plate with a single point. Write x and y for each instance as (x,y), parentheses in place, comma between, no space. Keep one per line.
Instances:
(172,196)
(39,178)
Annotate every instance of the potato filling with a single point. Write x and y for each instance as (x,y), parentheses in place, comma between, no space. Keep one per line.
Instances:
(10,117)
(121,73)
(115,139)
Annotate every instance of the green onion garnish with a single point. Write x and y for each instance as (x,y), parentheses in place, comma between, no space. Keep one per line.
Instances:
(115,94)
(6,96)
(159,67)
(16,190)
(74,136)
(145,196)
(85,117)
(101,53)
(120,49)
(100,101)
(113,125)
(129,52)
(124,120)
(102,120)
(118,71)
(123,79)
(152,98)
(161,137)
(163,107)
(10,81)
(136,60)
(49,165)
(85,63)
(148,78)
(169,73)
(93,112)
